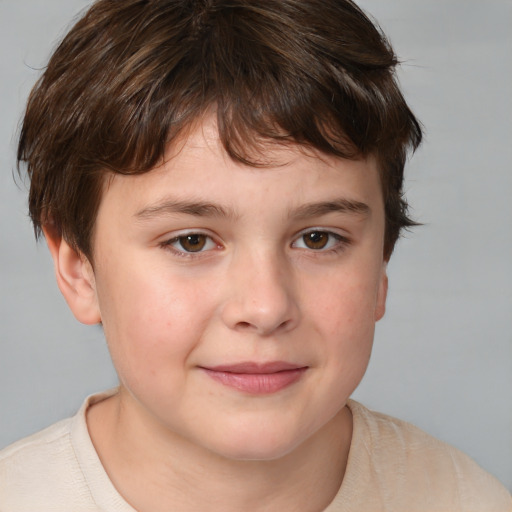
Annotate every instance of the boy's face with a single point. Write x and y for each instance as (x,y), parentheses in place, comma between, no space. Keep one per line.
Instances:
(238,303)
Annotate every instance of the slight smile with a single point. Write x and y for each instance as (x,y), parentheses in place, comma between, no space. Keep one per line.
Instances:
(256,378)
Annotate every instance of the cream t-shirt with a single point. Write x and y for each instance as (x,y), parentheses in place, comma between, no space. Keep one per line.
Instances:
(392,466)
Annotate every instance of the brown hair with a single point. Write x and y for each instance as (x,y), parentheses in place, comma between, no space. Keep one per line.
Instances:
(131,75)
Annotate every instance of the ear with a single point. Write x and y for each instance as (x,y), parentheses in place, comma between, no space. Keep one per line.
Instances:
(382,293)
(75,278)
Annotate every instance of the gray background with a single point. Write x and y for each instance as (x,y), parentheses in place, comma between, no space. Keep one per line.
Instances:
(443,353)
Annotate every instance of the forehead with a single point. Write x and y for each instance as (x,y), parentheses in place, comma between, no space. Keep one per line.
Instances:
(197,167)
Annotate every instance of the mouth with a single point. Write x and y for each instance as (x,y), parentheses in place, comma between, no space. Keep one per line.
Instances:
(257,378)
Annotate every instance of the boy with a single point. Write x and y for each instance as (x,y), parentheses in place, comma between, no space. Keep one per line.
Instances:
(220,186)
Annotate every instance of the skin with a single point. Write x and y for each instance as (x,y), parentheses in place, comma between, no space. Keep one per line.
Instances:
(256,292)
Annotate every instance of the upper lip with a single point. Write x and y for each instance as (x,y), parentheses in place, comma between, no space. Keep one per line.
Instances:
(256,368)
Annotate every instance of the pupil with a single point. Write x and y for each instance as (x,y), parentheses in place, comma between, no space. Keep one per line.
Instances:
(316,240)
(193,243)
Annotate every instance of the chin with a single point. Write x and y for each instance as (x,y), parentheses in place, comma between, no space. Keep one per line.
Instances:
(256,444)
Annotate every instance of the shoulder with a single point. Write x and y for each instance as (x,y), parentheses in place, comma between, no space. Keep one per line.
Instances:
(34,449)
(406,465)
(52,470)
(34,471)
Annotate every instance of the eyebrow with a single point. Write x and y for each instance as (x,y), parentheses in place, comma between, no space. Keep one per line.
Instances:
(205,209)
(195,208)
(341,205)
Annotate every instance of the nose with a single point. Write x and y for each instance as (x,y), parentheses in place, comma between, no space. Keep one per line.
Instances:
(261,296)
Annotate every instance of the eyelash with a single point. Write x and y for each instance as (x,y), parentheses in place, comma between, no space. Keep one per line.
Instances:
(340,243)
(168,244)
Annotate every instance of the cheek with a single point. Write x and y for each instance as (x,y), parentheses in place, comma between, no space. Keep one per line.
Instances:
(345,319)
(150,320)
(351,333)
(347,307)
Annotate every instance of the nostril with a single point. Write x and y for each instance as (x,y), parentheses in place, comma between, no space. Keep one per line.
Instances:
(269,312)
(248,326)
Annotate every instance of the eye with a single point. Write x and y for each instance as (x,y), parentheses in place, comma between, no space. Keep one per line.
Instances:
(191,242)
(318,240)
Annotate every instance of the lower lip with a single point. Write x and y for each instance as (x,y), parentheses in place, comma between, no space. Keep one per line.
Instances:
(257,383)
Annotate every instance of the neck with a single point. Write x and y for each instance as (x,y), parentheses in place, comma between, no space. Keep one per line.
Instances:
(155,470)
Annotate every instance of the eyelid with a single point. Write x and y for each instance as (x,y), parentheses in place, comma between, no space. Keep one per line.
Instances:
(174,237)
(342,240)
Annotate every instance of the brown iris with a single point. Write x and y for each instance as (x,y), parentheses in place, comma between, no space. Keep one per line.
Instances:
(192,243)
(316,239)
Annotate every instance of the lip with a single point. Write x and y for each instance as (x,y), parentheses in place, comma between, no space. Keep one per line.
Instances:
(257,378)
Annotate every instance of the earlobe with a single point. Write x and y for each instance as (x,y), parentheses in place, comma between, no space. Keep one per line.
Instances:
(382,293)
(75,278)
